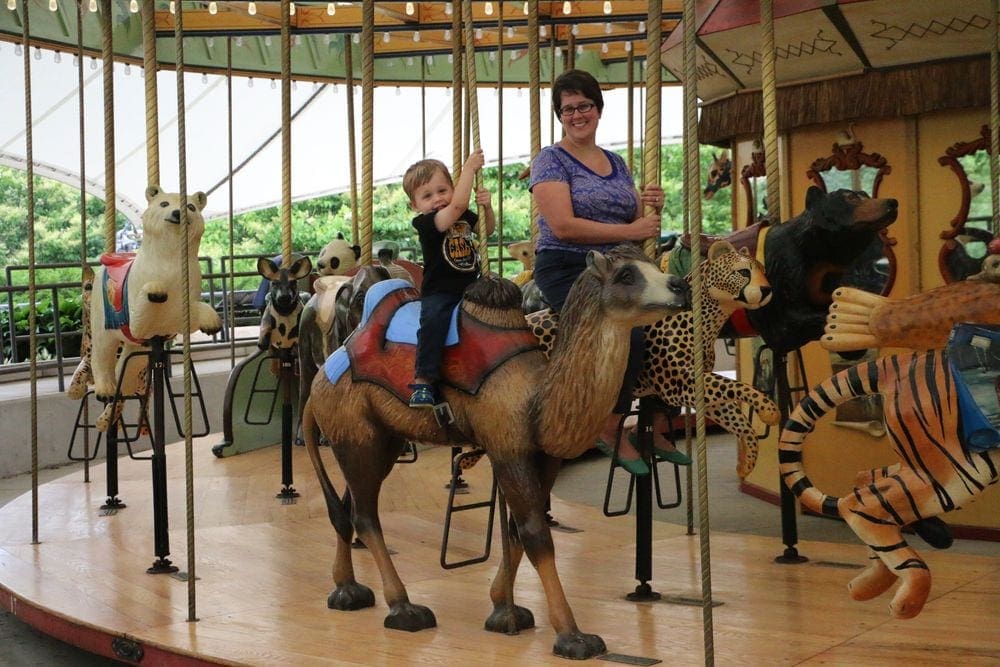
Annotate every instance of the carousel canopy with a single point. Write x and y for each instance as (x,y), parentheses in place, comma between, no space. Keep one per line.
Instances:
(410,120)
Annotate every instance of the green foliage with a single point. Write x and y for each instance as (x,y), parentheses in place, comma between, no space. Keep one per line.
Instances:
(70,316)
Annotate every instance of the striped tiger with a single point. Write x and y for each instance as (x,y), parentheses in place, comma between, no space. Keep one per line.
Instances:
(936,473)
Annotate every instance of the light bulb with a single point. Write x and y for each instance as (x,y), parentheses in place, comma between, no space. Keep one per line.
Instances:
(520,92)
(295,85)
(327,38)
(479,33)
(93,63)
(128,69)
(298,40)
(331,8)
(76,60)
(38,54)
(57,57)
(291,9)
(335,89)
(132,6)
(447,34)
(493,56)
(575,29)
(12,4)
(410,9)
(579,49)
(397,91)
(204,78)
(409,61)
(53,5)
(385,37)
(447,8)
(267,40)
(542,31)
(251,8)
(451,58)
(488,9)
(18,51)
(250,82)
(604,47)
(173,6)
(430,60)
(524,8)
(510,32)
(628,47)
(607,6)
(416,36)
(567,7)
(356,38)
(239,40)
(213,8)
(607,28)
(642,26)
(273,84)
(210,42)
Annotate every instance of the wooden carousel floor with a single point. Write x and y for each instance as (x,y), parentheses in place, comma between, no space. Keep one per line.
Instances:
(263,575)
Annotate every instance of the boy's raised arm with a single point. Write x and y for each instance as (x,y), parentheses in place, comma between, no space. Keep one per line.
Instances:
(446,217)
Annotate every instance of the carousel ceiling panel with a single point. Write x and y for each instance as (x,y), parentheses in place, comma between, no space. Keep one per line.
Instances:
(817,39)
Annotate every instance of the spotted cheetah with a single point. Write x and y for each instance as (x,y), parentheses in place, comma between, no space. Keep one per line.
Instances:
(731,280)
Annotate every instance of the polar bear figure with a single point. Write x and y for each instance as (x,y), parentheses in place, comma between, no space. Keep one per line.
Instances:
(139,296)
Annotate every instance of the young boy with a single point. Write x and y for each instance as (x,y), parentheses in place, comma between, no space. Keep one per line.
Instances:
(451,262)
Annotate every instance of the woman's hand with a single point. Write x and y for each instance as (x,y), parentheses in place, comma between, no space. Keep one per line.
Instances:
(652,195)
(646,227)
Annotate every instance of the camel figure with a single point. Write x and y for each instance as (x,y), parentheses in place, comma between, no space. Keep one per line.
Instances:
(524,407)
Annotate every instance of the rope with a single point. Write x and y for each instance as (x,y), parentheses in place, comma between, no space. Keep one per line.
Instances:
(654,76)
(995,118)
(534,103)
(186,291)
(456,98)
(552,76)
(352,152)
(631,113)
(769,96)
(107,58)
(286,135)
(423,108)
(33,309)
(149,71)
(367,118)
(472,94)
(694,208)
(83,209)
(500,249)
(232,245)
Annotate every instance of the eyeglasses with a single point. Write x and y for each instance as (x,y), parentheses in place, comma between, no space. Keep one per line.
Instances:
(567,111)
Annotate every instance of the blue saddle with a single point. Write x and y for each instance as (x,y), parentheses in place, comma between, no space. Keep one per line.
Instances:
(973,361)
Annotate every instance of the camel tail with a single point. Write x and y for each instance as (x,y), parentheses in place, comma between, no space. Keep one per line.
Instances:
(340,515)
(859,380)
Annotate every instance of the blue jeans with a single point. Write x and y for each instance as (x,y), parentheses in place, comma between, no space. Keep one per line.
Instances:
(435,318)
(554,273)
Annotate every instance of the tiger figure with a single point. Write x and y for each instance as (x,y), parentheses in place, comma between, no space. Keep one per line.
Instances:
(937,470)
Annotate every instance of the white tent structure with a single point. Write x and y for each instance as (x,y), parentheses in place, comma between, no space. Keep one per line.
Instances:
(319,130)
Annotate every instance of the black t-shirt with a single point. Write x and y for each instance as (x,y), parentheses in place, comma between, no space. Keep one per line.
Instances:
(451,260)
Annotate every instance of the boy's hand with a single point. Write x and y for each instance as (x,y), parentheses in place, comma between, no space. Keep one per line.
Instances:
(483,198)
(475,161)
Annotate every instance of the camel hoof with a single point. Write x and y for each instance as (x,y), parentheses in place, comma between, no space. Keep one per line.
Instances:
(410,617)
(510,620)
(351,597)
(157,297)
(579,646)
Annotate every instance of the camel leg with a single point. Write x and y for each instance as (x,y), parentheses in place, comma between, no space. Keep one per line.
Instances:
(508,617)
(365,468)
(349,595)
(519,480)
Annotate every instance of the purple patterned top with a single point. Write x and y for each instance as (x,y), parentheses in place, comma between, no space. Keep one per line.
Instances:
(608,199)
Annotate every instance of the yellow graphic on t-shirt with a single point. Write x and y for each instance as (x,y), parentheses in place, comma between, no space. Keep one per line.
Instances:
(458,248)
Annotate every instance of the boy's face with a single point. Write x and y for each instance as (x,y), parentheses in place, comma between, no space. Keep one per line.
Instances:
(433,195)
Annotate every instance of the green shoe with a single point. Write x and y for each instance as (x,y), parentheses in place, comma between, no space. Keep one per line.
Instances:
(675,456)
(635,466)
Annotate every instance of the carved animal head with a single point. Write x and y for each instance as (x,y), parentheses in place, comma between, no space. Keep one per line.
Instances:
(720,174)
(735,279)
(627,288)
(350,299)
(284,292)
(337,257)
(162,217)
(846,211)
(524,252)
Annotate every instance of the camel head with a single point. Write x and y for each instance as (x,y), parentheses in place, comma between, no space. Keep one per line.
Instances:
(628,288)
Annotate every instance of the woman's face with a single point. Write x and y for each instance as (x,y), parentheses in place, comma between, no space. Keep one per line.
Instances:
(578,124)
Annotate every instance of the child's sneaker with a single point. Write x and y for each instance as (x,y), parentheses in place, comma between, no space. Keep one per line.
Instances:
(422,396)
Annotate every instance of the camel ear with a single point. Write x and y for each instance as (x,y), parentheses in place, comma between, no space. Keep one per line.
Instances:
(720,248)
(599,263)
(300,268)
(151,192)
(199,199)
(267,268)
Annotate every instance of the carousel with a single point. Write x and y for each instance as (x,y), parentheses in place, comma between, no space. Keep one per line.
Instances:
(858,288)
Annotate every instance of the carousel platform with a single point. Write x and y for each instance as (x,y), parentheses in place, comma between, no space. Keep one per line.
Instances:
(262,569)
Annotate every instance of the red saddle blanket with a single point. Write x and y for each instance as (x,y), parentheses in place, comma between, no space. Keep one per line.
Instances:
(116,269)
(465,366)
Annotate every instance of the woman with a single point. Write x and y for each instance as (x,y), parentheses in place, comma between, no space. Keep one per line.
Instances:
(587,201)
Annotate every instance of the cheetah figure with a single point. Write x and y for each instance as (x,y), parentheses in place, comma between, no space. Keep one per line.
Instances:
(730,280)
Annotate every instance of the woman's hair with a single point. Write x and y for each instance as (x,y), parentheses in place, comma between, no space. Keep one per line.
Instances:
(422,172)
(577,81)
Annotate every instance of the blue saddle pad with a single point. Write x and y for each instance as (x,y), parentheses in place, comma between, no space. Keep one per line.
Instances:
(975,363)
(404,324)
